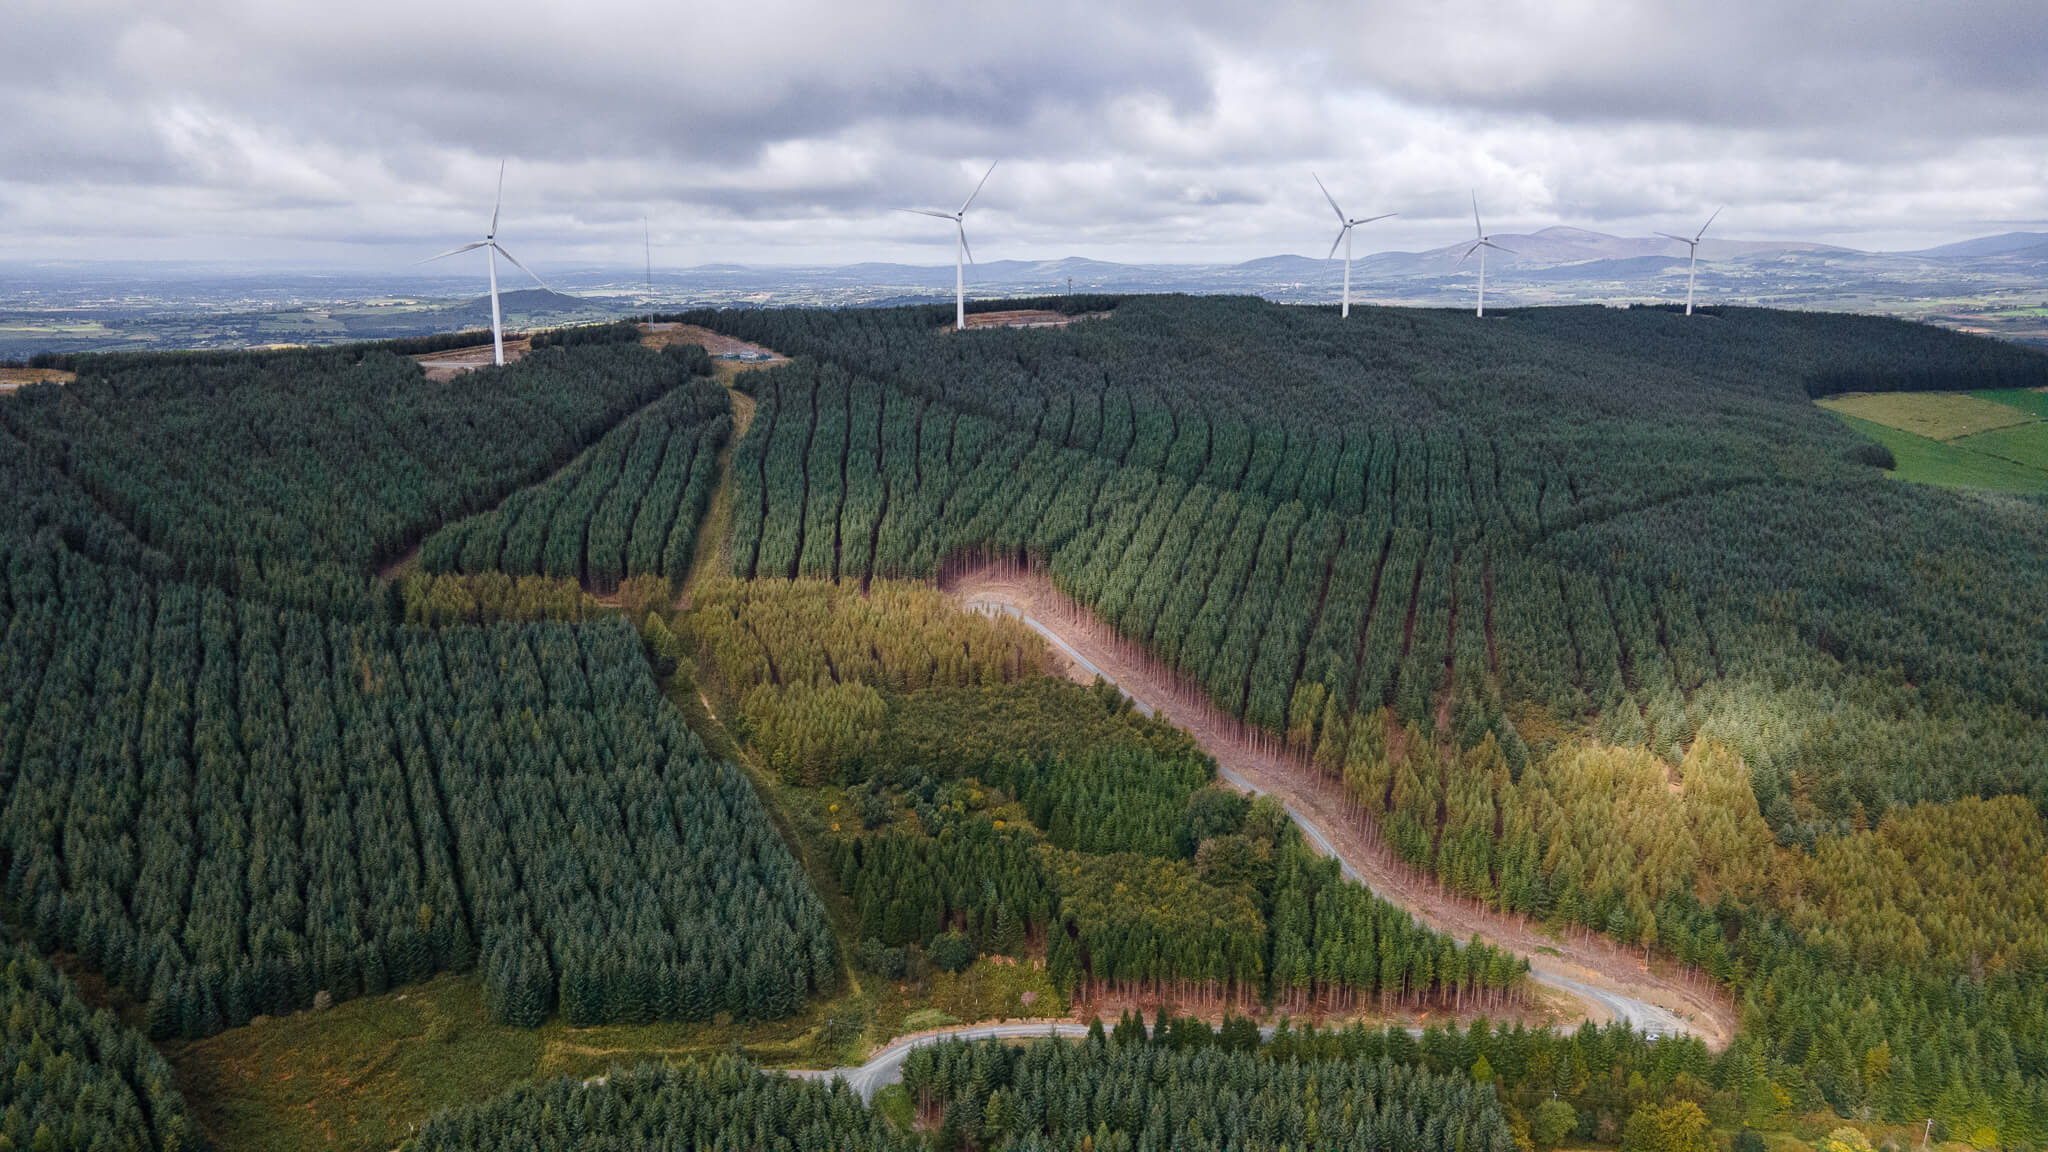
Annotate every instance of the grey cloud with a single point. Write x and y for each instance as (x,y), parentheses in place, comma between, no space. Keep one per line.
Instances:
(783,129)
(1890,68)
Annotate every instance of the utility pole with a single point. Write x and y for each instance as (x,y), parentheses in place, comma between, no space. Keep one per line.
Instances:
(1927,1135)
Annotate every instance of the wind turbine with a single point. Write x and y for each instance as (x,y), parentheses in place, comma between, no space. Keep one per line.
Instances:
(1344,238)
(962,255)
(1692,256)
(490,241)
(1480,243)
(647,241)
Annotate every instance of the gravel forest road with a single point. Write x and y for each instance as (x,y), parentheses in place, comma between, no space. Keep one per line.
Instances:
(1609,982)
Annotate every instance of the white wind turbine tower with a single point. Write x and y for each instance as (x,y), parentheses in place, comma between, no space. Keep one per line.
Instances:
(1480,243)
(1692,263)
(490,241)
(1344,238)
(962,254)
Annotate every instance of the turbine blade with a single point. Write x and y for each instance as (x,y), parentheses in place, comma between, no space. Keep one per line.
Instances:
(1330,198)
(977,188)
(1680,239)
(1707,225)
(1370,219)
(1337,241)
(516,264)
(1469,252)
(454,252)
(964,245)
(928,212)
(1477,230)
(1497,248)
(500,201)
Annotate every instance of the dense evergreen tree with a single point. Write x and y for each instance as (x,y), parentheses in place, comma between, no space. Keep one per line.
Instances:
(1378,541)
(630,506)
(77,1078)
(1130,1093)
(1618,516)
(720,1104)
(228,807)
(291,474)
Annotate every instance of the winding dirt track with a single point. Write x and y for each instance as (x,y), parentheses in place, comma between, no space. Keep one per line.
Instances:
(885,1067)
(1611,983)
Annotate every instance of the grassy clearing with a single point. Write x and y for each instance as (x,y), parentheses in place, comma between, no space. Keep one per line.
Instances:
(1926,461)
(1935,415)
(709,557)
(354,1076)
(358,1076)
(895,1105)
(996,988)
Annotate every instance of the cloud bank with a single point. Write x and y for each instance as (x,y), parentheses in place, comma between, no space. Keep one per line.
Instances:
(783,131)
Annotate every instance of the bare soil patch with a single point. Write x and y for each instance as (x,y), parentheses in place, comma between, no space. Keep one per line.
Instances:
(1547,1008)
(12,378)
(1027,318)
(661,335)
(448,364)
(1252,759)
(400,566)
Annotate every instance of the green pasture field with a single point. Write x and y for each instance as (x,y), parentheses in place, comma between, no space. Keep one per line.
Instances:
(1935,415)
(1950,465)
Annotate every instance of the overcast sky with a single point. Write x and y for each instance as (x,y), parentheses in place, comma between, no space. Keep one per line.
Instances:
(360,133)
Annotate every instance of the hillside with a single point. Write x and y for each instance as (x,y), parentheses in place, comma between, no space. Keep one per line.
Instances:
(1586,511)
(598,709)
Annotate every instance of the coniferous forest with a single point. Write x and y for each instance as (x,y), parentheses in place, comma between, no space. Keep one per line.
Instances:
(1589,612)
(230,804)
(319,679)
(288,474)
(1610,515)
(1177,1083)
(78,1078)
(997,812)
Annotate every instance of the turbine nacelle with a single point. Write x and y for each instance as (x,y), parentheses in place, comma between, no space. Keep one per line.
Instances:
(493,250)
(1480,243)
(1344,226)
(1692,255)
(965,255)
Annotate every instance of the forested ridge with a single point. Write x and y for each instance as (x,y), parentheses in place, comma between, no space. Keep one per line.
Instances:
(1428,557)
(1606,515)
(289,475)
(1588,613)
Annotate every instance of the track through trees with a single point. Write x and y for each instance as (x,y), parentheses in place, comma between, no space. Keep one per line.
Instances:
(1649,525)
(1612,984)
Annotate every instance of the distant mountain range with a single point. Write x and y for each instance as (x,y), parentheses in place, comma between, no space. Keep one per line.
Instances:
(1994,284)
(1574,262)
